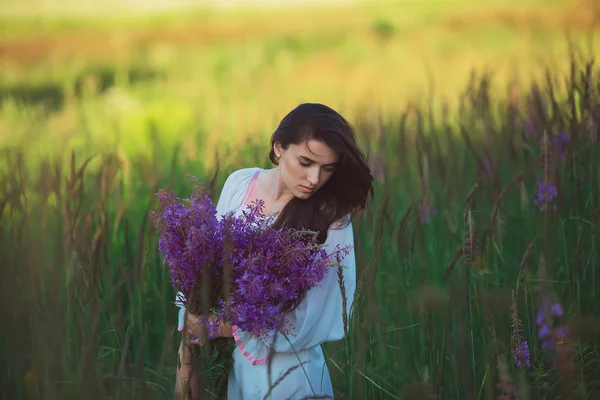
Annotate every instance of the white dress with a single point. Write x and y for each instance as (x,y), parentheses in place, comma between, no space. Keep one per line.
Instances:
(318,319)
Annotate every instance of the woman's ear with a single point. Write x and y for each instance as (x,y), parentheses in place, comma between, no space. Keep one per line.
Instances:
(277,149)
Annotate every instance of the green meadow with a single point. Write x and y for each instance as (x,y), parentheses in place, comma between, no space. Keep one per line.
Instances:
(481,122)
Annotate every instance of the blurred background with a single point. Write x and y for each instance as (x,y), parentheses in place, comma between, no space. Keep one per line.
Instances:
(87,74)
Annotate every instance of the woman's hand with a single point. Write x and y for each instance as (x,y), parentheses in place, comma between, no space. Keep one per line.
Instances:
(198,332)
(225,329)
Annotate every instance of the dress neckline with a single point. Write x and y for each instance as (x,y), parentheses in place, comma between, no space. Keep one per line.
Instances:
(247,195)
(249,190)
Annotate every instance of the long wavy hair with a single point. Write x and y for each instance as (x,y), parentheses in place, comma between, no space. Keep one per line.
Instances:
(347,190)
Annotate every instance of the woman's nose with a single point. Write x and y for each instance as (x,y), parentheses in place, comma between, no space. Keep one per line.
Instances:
(313,176)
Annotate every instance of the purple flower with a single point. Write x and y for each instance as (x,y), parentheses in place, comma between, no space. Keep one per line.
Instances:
(544,331)
(547,310)
(544,196)
(556,310)
(188,238)
(549,344)
(560,142)
(561,333)
(521,355)
(268,270)
(546,313)
(427,211)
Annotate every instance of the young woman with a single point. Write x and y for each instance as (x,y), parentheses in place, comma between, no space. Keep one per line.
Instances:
(320,181)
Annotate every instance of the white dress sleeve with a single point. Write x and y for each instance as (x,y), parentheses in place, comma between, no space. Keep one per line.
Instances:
(319,317)
(232,195)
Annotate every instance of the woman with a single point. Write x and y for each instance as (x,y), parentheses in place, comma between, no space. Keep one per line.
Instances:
(320,181)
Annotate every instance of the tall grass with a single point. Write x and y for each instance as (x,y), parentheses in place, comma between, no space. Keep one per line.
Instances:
(453,257)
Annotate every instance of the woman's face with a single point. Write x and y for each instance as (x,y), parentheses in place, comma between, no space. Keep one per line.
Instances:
(304,168)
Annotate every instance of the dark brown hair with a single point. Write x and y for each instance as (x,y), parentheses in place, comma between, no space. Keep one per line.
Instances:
(348,189)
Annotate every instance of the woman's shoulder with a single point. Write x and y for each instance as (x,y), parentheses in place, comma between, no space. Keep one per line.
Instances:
(234,189)
(240,176)
(341,232)
(238,181)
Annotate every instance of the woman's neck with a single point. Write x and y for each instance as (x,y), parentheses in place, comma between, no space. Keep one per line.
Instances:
(279,191)
(276,192)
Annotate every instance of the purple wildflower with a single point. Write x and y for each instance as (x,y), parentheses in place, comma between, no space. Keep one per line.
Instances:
(560,142)
(544,195)
(556,310)
(521,355)
(561,333)
(188,238)
(519,345)
(547,310)
(268,270)
(546,313)
(271,270)
(545,330)
(548,344)
(427,211)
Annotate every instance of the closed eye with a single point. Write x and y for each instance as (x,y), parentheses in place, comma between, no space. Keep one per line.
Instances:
(307,162)
(327,169)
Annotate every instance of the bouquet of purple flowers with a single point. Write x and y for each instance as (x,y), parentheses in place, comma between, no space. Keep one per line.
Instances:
(239,269)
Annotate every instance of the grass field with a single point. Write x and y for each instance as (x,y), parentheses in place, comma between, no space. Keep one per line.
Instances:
(444,298)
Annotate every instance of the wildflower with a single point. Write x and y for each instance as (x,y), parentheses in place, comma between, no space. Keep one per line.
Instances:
(520,346)
(189,238)
(521,355)
(268,270)
(544,318)
(427,211)
(544,195)
(547,310)
(544,330)
(560,142)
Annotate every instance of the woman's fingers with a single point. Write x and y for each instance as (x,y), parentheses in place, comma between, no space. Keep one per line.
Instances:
(192,324)
(196,340)
(196,329)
